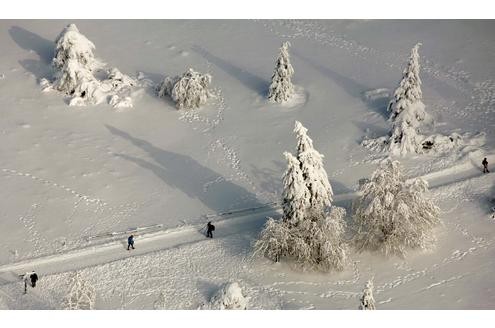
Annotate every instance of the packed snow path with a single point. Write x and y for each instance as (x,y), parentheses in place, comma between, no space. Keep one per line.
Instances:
(242,220)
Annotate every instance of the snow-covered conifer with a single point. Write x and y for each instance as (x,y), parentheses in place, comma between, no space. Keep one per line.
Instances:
(314,174)
(281,89)
(394,214)
(367,300)
(74,63)
(409,90)
(81,294)
(295,195)
(309,233)
(191,90)
(407,111)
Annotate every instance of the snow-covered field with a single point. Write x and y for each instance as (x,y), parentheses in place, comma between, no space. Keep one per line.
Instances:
(75,180)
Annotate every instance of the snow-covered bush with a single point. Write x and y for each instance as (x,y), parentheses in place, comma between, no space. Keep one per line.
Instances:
(81,294)
(367,300)
(310,232)
(281,89)
(75,67)
(191,90)
(392,214)
(228,297)
(274,240)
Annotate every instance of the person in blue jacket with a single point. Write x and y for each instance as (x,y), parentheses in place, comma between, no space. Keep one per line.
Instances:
(130,242)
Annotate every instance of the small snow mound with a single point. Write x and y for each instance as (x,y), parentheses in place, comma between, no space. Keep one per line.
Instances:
(229,297)
(2,76)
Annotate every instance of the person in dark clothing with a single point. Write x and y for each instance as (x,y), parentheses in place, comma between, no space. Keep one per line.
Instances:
(34,279)
(485,165)
(130,242)
(31,277)
(209,230)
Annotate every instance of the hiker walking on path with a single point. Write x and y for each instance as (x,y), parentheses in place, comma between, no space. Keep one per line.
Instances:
(130,242)
(485,165)
(30,277)
(209,230)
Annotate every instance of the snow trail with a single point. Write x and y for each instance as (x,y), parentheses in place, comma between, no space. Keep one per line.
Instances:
(230,223)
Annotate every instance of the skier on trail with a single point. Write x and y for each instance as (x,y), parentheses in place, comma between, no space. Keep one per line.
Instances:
(485,165)
(130,242)
(32,277)
(209,230)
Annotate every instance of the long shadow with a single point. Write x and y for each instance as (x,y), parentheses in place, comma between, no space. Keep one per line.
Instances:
(33,42)
(250,80)
(193,179)
(350,86)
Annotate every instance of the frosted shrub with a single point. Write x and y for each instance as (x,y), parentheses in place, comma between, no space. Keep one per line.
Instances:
(392,214)
(188,91)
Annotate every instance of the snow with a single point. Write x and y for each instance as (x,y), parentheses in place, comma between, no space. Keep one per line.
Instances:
(228,297)
(80,173)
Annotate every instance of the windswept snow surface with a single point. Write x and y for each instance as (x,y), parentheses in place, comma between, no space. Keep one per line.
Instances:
(70,173)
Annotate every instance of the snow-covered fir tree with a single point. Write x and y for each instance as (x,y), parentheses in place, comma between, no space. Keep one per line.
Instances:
(75,66)
(81,294)
(191,90)
(281,88)
(409,90)
(407,111)
(367,300)
(393,214)
(310,232)
(314,174)
(295,194)
(74,63)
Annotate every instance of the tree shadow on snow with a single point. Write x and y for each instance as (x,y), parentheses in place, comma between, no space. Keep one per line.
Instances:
(250,80)
(350,86)
(370,130)
(32,42)
(186,174)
